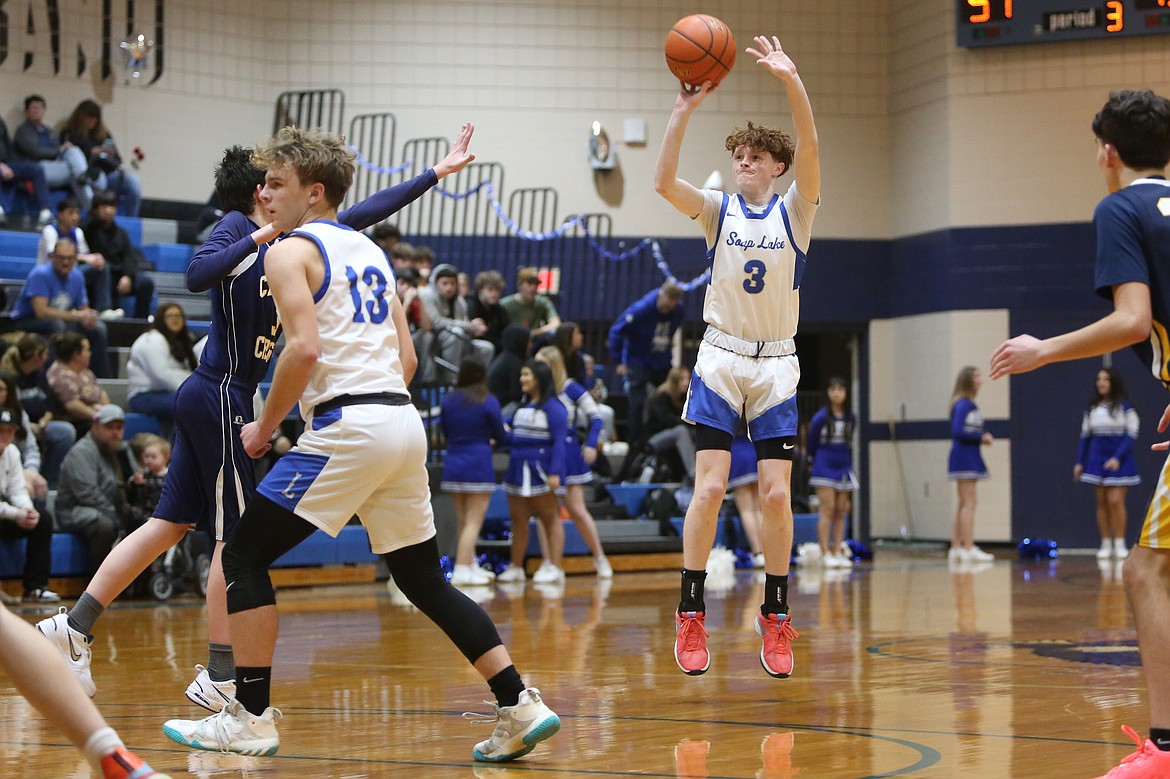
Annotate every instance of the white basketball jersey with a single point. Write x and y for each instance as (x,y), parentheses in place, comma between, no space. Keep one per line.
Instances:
(757,260)
(359,343)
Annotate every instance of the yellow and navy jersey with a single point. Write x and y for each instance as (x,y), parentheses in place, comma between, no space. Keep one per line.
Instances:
(1133,245)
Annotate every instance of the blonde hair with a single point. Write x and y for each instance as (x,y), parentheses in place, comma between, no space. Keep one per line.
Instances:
(964,384)
(316,156)
(552,356)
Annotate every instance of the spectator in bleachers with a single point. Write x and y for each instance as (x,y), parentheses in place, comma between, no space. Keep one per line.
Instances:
(641,346)
(386,235)
(25,362)
(421,329)
(504,371)
(402,259)
(64,164)
(54,301)
(19,519)
(15,171)
(456,334)
(26,442)
(424,261)
(664,430)
(91,501)
(485,306)
(67,226)
(85,129)
(144,488)
(76,390)
(527,307)
(160,360)
(123,258)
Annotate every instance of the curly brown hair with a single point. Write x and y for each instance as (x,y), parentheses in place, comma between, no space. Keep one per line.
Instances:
(316,156)
(775,142)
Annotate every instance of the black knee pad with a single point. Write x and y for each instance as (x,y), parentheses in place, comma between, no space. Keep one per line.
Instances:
(265,533)
(707,437)
(783,448)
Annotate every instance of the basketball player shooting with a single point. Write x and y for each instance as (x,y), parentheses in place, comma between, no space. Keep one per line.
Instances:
(747,363)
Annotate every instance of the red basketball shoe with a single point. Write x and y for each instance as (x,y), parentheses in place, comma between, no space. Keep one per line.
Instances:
(776,653)
(690,642)
(1148,762)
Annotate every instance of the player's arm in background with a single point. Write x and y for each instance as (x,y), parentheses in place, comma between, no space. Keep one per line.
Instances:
(807,160)
(406,354)
(681,194)
(1129,322)
(389,201)
(288,268)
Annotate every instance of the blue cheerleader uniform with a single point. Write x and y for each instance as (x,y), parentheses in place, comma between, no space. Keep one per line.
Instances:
(966,461)
(538,448)
(1108,433)
(579,405)
(744,468)
(830,445)
(470,428)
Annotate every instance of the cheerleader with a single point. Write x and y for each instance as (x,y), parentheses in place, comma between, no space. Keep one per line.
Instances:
(471,422)
(965,464)
(536,467)
(579,404)
(1109,430)
(743,483)
(830,444)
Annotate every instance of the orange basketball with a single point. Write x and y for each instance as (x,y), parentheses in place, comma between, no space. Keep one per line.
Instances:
(700,48)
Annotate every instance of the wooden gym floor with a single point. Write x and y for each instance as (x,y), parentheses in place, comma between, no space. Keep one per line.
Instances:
(903,669)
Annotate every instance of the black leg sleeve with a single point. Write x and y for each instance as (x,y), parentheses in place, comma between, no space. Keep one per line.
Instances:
(417,573)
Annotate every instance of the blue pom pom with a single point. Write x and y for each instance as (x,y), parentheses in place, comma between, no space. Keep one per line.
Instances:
(1038,549)
(743,558)
(447,564)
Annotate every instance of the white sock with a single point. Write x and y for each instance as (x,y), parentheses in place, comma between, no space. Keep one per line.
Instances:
(1119,543)
(103,742)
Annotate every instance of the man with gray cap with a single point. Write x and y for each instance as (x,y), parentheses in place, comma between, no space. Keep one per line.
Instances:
(91,496)
(455,332)
(18,517)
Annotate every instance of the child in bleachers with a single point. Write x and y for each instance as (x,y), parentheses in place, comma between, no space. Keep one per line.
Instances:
(145,486)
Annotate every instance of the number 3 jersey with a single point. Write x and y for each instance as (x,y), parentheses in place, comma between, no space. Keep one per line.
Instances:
(757,258)
(359,343)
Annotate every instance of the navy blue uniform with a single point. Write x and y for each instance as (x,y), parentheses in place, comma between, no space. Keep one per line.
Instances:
(830,444)
(966,461)
(211,477)
(470,428)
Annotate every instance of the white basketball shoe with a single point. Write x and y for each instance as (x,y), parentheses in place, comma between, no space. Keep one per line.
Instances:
(73,646)
(234,729)
(209,694)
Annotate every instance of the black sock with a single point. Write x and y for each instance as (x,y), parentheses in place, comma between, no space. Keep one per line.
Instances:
(507,686)
(254,688)
(692,591)
(775,595)
(1161,738)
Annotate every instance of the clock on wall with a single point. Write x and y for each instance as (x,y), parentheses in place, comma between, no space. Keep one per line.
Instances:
(1012,22)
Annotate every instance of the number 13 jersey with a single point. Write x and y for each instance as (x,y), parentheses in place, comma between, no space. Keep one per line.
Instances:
(359,342)
(757,258)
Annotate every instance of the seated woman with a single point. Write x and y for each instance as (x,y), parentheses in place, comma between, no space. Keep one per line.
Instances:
(25,363)
(86,130)
(160,360)
(76,391)
(664,427)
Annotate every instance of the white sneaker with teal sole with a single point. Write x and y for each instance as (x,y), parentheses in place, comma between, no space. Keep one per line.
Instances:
(518,730)
(234,729)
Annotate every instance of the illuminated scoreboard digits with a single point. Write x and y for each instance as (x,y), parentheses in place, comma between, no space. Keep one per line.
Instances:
(1012,22)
